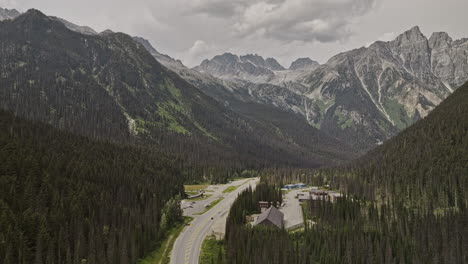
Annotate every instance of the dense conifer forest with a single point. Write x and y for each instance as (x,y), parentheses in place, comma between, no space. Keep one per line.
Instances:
(406,203)
(69,199)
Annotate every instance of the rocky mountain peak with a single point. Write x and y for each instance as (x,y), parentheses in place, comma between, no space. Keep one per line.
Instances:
(106,32)
(273,65)
(226,58)
(254,59)
(259,61)
(440,40)
(410,36)
(303,64)
(35,13)
(8,13)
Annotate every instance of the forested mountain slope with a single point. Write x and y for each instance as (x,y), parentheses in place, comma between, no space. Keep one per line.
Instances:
(425,166)
(108,86)
(68,199)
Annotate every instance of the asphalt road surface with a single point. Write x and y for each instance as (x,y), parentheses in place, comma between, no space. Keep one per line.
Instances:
(187,246)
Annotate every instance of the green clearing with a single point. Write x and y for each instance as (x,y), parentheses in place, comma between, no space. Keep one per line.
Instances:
(162,254)
(212,204)
(398,114)
(196,187)
(212,251)
(230,189)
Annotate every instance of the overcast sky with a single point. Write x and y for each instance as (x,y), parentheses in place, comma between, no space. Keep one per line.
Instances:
(192,30)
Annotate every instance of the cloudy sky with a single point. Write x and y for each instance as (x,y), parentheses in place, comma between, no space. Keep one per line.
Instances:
(192,30)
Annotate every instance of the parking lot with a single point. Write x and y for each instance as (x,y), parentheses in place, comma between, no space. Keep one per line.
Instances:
(292,210)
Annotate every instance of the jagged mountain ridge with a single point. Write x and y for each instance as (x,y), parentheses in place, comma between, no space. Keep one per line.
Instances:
(109,86)
(400,81)
(248,67)
(8,13)
(365,96)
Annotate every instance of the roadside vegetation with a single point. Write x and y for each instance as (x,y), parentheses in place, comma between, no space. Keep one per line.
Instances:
(212,251)
(173,222)
(162,255)
(230,189)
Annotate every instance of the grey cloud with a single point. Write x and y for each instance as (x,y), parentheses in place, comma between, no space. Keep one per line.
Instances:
(288,20)
(223,8)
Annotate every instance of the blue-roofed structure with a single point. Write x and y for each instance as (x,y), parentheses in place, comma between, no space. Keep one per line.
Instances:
(294,186)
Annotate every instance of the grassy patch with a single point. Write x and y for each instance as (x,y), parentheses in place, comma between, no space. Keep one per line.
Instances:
(195,188)
(398,114)
(212,204)
(165,111)
(162,254)
(230,189)
(344,121)
(297,230)
(212,251)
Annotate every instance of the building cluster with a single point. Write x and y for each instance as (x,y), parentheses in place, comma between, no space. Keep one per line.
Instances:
(315,194)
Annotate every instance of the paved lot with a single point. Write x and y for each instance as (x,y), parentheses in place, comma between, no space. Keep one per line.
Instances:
(292,210)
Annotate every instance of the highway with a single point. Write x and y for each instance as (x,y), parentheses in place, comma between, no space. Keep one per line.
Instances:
(187,246)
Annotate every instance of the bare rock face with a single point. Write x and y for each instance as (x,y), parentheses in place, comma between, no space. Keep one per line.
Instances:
(303,64)
(449,59)
(389,85)
(366,95)
(250,67)
(8,14)
(272,64)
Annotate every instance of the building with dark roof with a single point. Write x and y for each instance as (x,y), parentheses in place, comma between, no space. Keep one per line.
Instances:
(271,217)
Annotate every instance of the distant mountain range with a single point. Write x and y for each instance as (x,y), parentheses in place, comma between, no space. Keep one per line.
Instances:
(109,86)
(363,96)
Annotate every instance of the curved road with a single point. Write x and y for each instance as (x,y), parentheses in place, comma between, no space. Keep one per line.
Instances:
(187,246)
